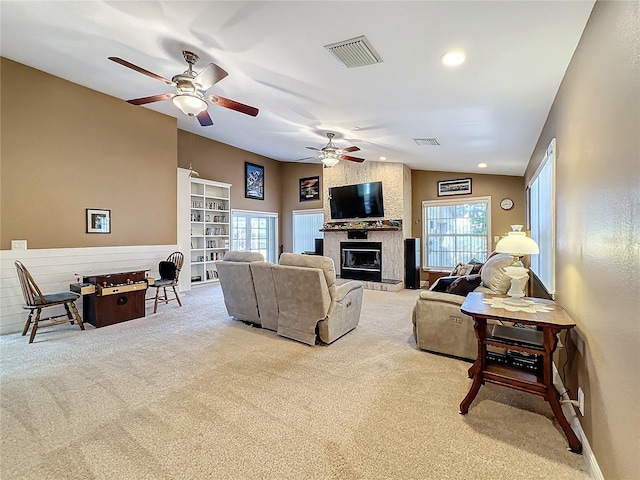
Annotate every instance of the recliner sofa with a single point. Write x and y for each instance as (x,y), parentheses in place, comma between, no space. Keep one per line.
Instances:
(439,325)
(298,298)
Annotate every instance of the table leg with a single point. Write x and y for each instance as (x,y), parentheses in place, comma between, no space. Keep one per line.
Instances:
(473,391)
(572,438)
(477,369)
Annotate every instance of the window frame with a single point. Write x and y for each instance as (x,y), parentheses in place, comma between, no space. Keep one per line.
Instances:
(272,250)
(538,262)
(448,202)
(309,211)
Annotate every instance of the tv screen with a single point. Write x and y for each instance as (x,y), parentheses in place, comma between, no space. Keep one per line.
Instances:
(356,201)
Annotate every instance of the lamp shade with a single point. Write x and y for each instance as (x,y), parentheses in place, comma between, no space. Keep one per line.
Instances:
(189,104)
(517,243)
(329,159)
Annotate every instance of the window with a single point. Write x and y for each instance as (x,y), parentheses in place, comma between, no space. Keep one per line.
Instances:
(455,231)
(306,228)
(255,232)
(541,200)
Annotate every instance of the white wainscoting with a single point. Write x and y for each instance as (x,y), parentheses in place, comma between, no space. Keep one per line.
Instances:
(55,269)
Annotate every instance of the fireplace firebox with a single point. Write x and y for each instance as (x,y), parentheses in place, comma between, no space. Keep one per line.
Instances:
(361,261)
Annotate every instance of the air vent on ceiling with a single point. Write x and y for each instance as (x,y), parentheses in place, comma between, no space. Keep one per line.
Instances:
(426,141)
(356,52)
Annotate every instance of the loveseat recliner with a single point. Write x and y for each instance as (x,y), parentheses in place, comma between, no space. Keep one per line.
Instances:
(439,325)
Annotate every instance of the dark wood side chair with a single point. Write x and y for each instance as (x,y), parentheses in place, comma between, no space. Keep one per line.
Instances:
(168,280)
(35,301)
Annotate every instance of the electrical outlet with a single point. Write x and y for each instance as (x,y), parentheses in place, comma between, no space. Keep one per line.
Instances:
(581,401)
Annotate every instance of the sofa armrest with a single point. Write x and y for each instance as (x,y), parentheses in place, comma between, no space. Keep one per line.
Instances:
(442,297)
(344,289)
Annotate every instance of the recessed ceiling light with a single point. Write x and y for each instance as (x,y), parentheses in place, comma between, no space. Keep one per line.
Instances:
(482,165)
(453,58)
(383,158)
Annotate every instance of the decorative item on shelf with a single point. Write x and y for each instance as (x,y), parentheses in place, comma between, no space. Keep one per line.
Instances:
(517,244)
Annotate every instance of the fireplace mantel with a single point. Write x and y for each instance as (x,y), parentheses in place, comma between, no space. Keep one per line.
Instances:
(383,225)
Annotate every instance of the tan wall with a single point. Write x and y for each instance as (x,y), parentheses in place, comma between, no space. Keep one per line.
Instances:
(224,163)
(424,185)
(291,175)
(595,119)
(66,148)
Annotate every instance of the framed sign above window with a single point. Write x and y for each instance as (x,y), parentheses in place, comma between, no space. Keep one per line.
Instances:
(454,187)
(98,221)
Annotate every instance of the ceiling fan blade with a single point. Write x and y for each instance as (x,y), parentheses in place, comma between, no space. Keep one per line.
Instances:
(151,99)
(350,149)
(306,158)
(211,75)
(204,119)
(140,70)
(351,159)
(233,105)
(313,148)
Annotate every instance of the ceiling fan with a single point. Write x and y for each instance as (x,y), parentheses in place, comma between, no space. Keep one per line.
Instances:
(330,155)
(191,90)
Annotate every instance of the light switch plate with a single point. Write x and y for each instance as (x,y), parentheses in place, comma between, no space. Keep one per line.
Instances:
(18,244)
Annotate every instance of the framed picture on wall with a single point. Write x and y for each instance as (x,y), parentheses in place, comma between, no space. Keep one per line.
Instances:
(98,221)
(253,181)
(454,187)
(309,189)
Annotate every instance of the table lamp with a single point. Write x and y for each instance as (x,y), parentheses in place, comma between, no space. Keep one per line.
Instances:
(517,244)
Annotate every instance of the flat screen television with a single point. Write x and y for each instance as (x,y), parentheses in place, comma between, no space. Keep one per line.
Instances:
(363,200)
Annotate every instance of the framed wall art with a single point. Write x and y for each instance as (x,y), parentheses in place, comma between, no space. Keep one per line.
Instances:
(253,181)
(98,220)
(454,187)
(309,189)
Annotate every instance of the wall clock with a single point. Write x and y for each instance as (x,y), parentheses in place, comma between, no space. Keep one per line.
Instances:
(506,204)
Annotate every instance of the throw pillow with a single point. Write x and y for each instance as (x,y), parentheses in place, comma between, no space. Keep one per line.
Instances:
(167,270)
(461,269)
(464,285)
(476,266)
(442,284)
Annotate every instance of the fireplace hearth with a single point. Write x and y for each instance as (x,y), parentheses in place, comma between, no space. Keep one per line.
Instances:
(361,261)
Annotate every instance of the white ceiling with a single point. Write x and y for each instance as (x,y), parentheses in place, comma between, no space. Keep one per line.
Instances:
(491,109)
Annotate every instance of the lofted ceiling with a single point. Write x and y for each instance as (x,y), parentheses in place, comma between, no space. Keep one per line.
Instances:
(490,109)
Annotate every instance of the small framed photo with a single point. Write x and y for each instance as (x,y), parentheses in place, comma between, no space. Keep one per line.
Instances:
(454,187)
(309,189)
(253,181)
(98,221)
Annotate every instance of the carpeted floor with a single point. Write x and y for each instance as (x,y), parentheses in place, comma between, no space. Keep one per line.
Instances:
(189,393)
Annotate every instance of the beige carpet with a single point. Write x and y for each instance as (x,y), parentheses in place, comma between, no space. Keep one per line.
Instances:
(191,394)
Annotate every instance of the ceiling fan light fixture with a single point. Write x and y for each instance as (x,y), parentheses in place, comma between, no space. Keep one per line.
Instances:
(330,162)
(329,159)
(189,104)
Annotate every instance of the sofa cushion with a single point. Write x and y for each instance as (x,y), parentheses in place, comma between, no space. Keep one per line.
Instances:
(493,274)
(464,285)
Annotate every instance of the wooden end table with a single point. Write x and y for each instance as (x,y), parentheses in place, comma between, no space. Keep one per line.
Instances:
(537,382)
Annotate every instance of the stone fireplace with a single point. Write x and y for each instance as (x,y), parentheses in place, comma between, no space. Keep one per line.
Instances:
(396,188)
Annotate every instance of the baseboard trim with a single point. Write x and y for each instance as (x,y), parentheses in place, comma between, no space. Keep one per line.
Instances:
(571,415)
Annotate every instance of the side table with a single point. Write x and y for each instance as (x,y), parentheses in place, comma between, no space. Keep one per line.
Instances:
(537,381)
